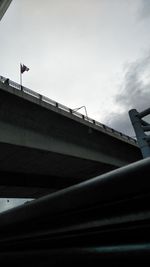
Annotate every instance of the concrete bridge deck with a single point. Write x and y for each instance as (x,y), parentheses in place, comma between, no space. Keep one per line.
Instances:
(46,145)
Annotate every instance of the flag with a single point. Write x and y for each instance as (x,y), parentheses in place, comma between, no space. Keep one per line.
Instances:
(23,68)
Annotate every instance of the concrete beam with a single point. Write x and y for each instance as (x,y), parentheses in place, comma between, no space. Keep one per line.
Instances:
(4,4)
(26,124)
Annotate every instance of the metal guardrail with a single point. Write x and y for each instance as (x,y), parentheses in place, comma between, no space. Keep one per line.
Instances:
(66,109)
(103,220)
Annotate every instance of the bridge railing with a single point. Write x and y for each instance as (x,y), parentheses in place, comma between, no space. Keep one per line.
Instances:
(65,108)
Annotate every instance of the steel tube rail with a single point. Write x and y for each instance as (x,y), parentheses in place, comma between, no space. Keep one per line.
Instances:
(144,123)
(146,128)
(143,113)
(102,220)
(114,186)
(88,256)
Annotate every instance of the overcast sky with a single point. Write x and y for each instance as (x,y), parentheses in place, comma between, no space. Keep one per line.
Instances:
(82,52)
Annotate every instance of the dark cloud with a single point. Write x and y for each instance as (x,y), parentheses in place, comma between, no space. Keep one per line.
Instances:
(144,9)
(121,122)
(134,93)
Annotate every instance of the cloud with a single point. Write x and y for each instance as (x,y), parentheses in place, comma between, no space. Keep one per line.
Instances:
(144,9)
(133,93)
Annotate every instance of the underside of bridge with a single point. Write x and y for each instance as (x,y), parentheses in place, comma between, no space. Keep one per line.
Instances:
(32,173)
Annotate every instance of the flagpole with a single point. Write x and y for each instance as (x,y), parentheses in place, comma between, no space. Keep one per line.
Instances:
(22,69)
(20,77)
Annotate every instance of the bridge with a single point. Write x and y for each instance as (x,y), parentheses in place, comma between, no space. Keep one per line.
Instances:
(45,146)
(4,4)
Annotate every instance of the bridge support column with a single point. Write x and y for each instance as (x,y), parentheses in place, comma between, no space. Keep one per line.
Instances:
(140,127)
